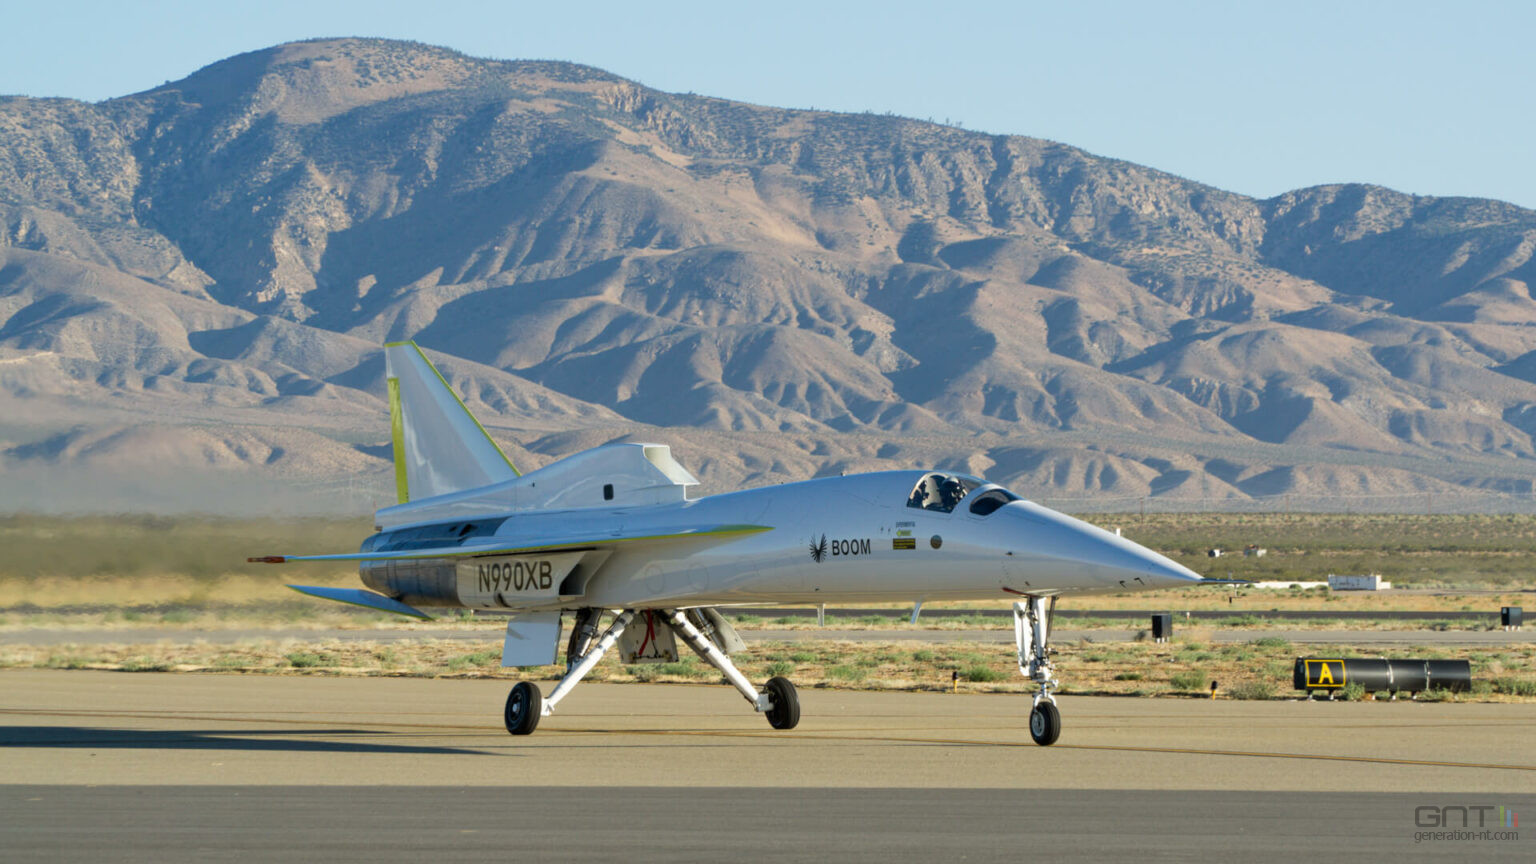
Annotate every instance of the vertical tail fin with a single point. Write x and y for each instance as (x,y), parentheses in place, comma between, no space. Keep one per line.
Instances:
(439,446)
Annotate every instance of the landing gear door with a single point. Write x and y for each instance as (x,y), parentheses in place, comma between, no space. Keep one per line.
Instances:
(648,640)
(532,639)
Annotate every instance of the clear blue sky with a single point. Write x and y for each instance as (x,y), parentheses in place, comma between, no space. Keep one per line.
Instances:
(1430,98)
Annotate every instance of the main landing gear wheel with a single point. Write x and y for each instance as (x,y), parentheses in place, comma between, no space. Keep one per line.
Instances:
(524,707)
(1045,724)
(785,713)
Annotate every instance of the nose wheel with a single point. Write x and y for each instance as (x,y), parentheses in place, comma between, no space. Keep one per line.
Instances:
(1045,723)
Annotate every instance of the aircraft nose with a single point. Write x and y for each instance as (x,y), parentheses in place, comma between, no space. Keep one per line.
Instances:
(1055,541)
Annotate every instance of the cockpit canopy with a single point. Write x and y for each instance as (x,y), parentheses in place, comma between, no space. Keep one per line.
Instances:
(942,493)
(985,503)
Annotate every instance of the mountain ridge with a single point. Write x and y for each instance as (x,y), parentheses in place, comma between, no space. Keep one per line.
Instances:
(611,260)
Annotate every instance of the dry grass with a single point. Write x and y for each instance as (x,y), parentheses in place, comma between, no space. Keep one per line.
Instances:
(43,551)
(121,592)
(1482,550)
(938,620)
(1236,599)
(1254,670)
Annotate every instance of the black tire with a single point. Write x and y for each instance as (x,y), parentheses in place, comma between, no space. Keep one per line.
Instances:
(525,705)
(785,713)
(1045,724)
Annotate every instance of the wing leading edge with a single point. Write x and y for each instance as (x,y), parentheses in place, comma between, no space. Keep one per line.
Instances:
(548,544)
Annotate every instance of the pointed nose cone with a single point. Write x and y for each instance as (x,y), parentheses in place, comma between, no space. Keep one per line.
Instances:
(1075,552)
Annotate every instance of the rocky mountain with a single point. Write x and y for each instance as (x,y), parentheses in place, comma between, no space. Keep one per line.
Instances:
(195,281)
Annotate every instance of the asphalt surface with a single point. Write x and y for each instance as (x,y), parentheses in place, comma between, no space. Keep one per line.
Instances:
(148,635)
(146,767)
(665,825)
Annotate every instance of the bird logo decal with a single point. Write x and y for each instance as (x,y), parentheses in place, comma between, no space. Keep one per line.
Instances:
(819,549)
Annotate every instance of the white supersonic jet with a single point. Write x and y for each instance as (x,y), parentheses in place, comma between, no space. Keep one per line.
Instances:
(612,531)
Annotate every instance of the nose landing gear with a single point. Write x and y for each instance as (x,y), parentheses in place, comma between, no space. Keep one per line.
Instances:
(1031,631)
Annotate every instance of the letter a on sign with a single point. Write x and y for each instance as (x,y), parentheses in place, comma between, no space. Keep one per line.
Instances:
(1320,673)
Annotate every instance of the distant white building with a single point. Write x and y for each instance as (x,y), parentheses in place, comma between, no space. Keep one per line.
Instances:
(1372,582)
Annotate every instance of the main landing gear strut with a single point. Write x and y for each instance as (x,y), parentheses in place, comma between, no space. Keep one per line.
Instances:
(525,705)
(1032,630)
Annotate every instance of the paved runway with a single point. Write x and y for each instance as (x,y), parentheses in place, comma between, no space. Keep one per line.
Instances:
(203,767)
(667,825)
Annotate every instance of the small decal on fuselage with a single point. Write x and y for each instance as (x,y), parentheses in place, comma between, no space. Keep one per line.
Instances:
(516,576)
(850,547)
(822,547)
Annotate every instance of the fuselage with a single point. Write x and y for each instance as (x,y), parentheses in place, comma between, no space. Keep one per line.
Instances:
(878,537)
(612,530)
